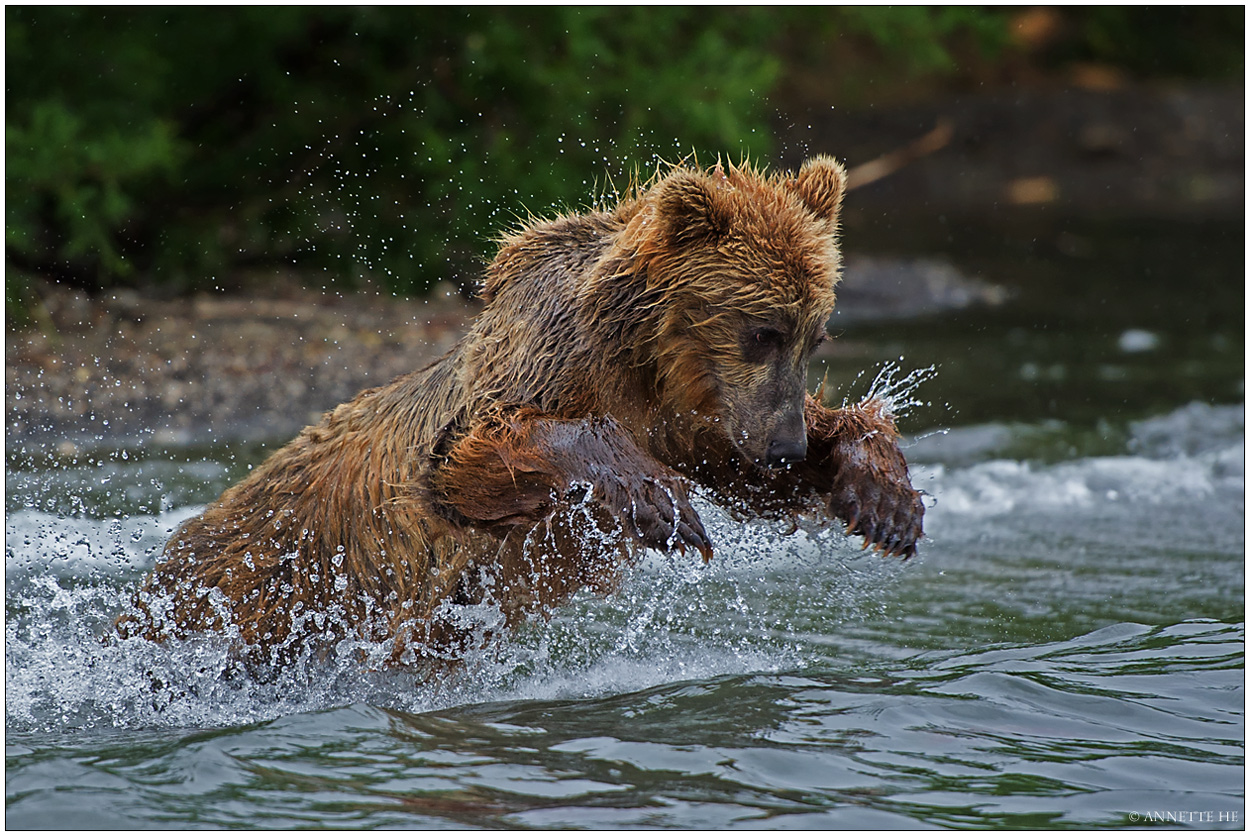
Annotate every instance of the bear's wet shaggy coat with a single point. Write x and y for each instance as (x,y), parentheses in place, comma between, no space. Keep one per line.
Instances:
(621,356)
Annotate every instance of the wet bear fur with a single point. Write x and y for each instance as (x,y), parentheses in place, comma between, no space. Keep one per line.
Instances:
(622,356)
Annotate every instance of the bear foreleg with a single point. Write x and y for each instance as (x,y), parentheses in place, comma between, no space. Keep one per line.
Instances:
(854,460)
(518,466)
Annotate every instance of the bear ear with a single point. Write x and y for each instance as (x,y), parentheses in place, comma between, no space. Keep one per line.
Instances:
(689,209)
(820,184)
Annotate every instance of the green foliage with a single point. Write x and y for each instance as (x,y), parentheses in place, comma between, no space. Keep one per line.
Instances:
(184,143)
(918,40)
(1154,41)
(182,146)
(80,181)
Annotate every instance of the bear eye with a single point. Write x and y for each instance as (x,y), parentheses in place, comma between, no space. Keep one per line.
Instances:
(768,336)
(759,343)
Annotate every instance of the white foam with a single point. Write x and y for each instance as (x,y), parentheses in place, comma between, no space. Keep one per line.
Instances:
(36,541)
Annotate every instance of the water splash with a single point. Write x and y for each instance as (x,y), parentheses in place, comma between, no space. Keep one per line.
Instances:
(674,618)
(898,390)
(771,600)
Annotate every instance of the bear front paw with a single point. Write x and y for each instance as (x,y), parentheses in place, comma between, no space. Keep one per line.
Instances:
(657,511)
(889,517)
(872,493)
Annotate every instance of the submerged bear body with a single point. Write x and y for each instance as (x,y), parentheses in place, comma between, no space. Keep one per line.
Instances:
(622,357)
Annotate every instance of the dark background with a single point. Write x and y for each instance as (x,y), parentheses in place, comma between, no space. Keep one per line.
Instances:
(183,150)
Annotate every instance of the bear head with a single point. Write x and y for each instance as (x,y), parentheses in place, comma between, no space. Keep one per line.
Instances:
(743,266)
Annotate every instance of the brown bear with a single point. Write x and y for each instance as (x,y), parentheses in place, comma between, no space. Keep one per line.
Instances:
(622,355)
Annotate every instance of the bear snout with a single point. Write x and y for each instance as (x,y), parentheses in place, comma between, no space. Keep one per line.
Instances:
(786,437)
(783,451)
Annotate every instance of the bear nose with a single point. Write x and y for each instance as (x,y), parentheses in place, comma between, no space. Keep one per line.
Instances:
(783,451)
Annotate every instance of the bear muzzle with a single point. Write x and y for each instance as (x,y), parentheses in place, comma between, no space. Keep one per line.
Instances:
(783,451)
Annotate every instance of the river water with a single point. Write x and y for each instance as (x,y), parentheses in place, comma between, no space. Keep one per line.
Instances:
(1066,651)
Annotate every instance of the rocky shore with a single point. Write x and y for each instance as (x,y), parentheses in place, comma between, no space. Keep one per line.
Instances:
(130,367)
